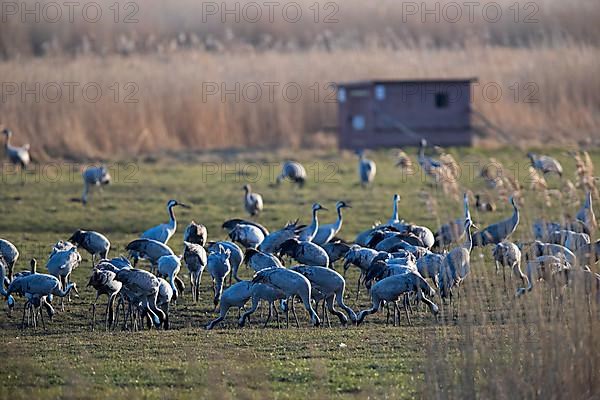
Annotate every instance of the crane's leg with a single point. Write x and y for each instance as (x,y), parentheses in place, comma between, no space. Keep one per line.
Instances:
(23,319)
(358,286)
(268,316)
(276,315)
(406,305)
(294,313)
(331,308)
(42,318)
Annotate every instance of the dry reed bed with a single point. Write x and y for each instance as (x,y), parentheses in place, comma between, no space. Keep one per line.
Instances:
(175,110)
(156,26)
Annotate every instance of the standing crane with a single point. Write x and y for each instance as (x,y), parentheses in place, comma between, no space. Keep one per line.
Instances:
(310,231)
(327,232)
(253,202)
(294,171)
(366,169)
(16,155)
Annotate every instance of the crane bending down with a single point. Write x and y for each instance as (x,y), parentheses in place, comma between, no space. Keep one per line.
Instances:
(292,284)
(94,177)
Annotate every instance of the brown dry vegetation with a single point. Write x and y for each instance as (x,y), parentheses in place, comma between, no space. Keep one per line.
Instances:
(170,58)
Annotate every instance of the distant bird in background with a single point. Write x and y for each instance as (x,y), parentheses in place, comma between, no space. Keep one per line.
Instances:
(16,155)
(430,166)
(586,215)
(253,202)
(484,206)
(545,164)
(294,171)
(94,177)
(366,169)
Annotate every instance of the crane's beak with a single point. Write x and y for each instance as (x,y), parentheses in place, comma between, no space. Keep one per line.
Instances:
(184,205)
(324,209)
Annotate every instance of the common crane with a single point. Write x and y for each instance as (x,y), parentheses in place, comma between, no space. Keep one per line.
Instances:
(253,202)
(94,176)
(289,282)
(16,155)
(586,215)
(10,254)
(496,233)
(366,169)
(327,232)
(248,236)
(195,258)
(274,240)
(196,234)
(330,286)
(508,254)
(94,243)
(305,252)
(545,164)
(103,279)
(236,256)
(63,259)
(218,266)
(294,171)
(391,288)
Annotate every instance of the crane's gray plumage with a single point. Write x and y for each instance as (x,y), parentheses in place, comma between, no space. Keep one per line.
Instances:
(150,249)
(586,215)
(248,236)
(457,263)
(366,169)
(63,259)
(141,288)
(569,239)
(253,202)
(93,242)
(331,286)
(292,284)
(104,280)
(236,295)
(16,155)
(543,268)
(258,260)
(274,240)
(10,254)
(168,267)
(94,176)
(236,255)
(294,171)
(496,233)
(195,233)
(545,164)
(219,267)
(229,225)
(305,252)
(335,251)
(429,266)
(508,254)
(450,233)
(195,258)
(391,288)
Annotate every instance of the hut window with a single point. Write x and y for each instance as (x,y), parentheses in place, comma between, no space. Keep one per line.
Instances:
(342,95)
(441,100)
(380,92)
(358,122)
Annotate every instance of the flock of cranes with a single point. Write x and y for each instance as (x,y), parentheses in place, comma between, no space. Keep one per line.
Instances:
(400,263)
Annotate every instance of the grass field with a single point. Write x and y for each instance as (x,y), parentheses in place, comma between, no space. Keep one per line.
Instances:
(373,360)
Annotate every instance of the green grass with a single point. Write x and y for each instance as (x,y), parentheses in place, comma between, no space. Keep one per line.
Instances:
(68,360)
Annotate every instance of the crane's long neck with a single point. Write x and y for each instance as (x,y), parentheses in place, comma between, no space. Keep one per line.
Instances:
(395,211)
(515,217)
(468,244)
(340,219)
(63,293)
(315,219)
(172,220)
(422,152)
(7,142)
